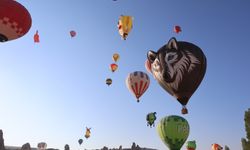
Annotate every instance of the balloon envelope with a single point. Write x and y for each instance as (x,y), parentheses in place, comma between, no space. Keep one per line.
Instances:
(173,131)
(15,20)
(116,57)
(177,29)
(113,67)
(125,25)
(80,141)
(108,81)
(137,82)
(36,37)
(151,117)
(72,33)
(179,68)
(216,146)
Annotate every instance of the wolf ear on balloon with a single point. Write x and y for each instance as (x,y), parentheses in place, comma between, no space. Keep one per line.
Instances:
(172,44)
(151,56)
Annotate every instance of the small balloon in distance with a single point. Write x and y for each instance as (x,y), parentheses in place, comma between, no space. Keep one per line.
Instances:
(72,33)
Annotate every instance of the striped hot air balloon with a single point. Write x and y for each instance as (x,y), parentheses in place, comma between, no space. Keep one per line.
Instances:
(137,82)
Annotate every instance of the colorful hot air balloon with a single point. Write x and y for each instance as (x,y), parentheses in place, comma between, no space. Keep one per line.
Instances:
(216,146)
(36,37)
(148,66)
(72,33)
(80,141)
(108,81)
(125,24)
(137,82)
(179,68)
(191,145)
(151,117)
(177,29)
(15,20)
(87,133)
(113,67)
(116,57)
(173,131)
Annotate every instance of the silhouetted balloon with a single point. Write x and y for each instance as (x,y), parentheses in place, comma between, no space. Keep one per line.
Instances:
(80,141)
(15,20)
(108,81)
(179,68)
(173,131)
(72,33)
(137,82)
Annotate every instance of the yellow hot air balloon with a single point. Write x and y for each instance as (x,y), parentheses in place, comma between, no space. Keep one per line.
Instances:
(125,24)
(116,57)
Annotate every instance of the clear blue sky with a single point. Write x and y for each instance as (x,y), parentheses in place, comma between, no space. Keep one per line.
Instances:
(52,90)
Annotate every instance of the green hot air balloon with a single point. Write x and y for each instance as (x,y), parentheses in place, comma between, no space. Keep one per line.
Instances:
(174,131)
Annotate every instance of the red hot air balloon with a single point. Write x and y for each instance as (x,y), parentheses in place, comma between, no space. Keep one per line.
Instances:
(137,82)
(113,67)
(72,33)
(15,20)
(36,37)
(177,29)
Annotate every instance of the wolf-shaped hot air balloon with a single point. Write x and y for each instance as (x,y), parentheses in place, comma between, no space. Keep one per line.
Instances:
(179,67)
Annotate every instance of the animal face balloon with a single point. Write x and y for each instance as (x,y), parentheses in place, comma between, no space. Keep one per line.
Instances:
(179,68)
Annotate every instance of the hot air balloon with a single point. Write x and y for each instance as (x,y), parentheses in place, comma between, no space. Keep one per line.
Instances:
(113,67)
(15,20)
(36,37)
(173,131)
(108,81)
(116,57)
(137,82)
(87,133)
(125,24)
(80,141)
(148,66)
(41,146)
(72,33)
(179,68)
(151,117)
(177,29)
(216,146)
(191,145)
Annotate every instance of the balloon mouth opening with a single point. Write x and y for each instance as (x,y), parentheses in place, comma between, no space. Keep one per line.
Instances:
(3,38)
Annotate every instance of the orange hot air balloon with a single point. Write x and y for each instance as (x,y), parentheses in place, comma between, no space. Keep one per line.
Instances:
(148,66)
(216,146)
(137,82)
(113,67)
(87,133)
(15,20)
(116,57)
(177,29)
(36,37)
(72,33)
